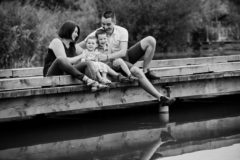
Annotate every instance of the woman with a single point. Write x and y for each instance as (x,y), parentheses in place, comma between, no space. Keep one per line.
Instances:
(62,57)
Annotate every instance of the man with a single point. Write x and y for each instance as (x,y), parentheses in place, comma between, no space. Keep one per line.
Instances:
(118,44)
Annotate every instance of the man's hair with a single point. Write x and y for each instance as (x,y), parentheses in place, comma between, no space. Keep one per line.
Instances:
(99,32)
(109,14)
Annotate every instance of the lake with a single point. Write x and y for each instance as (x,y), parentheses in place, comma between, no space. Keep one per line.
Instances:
(192,125)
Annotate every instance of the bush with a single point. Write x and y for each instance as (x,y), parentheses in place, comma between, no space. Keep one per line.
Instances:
(27,26)
(27,30)
(18,35)
(168,21)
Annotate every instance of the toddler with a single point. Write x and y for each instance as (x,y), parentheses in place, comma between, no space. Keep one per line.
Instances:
(91,54)
(117,64)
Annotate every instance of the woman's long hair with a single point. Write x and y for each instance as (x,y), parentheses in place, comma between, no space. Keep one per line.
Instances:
(66,32)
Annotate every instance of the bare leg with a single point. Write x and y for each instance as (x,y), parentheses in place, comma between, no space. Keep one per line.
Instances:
(147,86)
(104,75)
(148,44)
(111,72)
(99,76)
(61,65)
(145,83)
(105,79)
(123,65)
(116,75)
(88,68)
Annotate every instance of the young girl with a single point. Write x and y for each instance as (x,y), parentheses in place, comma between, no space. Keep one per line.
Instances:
(91,54)
(117,64)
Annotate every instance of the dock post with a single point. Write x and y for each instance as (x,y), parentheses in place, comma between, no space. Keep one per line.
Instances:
(163,109)
(163,113)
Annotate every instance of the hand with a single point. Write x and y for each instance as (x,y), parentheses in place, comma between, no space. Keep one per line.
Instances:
(102,57)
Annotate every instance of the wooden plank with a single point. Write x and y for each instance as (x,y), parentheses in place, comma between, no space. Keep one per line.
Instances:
(5,73)
(182,70)
(221,86)
(192,61)
(116,98)
(82,88)
(27,82)
(25,72)
(222,67)
(196,69)
(36,82)
(79,101)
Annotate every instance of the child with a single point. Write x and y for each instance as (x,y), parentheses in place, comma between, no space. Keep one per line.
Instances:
(104,48)
(91,54)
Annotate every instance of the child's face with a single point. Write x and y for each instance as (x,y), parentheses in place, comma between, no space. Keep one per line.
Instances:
(91,44)
(102,39)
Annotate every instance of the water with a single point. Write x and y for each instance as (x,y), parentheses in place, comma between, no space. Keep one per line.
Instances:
(192,125)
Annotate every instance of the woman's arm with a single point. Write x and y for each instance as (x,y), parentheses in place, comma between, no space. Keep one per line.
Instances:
(59,51)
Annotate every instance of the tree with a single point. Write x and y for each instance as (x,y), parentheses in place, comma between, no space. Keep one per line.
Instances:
(168,21)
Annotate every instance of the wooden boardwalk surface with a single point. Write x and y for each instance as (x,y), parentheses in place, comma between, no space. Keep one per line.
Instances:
(25,92)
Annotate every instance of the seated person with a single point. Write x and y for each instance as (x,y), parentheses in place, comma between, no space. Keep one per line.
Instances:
(118,63)
(63,58)
(91,54)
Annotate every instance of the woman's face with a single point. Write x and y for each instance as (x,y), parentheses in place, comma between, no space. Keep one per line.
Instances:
(75,34)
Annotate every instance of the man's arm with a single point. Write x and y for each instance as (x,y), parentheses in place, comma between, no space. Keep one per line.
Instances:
(121,53)
(114,55)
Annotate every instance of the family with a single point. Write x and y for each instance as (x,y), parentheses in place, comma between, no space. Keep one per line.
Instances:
(103,53)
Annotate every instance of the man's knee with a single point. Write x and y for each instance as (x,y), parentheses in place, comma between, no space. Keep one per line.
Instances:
(151,40)
(148,42)
(136,71)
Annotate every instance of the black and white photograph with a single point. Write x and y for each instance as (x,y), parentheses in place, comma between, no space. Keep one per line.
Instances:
(119,80)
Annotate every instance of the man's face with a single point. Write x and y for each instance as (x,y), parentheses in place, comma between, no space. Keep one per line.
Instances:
(107,24)
(102,39)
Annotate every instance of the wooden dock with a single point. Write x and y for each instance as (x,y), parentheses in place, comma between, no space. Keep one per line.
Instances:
(25,92)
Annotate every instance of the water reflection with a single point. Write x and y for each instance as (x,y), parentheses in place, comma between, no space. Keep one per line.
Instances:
(123,134)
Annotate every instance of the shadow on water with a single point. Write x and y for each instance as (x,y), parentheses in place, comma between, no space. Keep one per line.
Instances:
(134,133)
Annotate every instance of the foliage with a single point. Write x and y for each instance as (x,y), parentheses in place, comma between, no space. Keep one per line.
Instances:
(26,30)
(167,20)
(27,26)
(18,34)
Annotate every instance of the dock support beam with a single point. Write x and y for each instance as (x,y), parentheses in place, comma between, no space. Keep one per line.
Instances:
(163,109)
(163,113)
